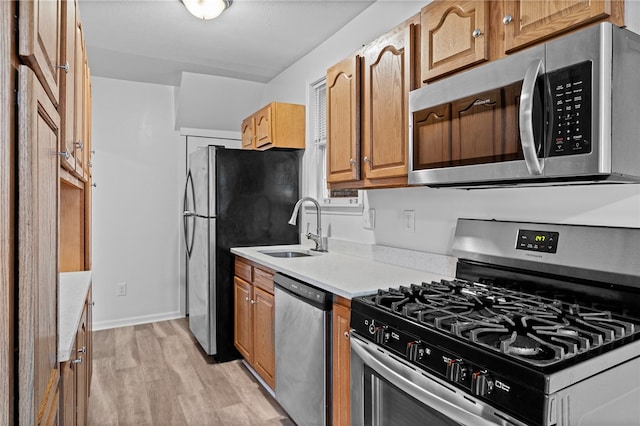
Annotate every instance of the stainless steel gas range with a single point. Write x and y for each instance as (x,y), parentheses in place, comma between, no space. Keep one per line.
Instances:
(540,326)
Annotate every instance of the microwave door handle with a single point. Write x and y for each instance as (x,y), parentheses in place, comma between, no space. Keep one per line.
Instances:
(384,367)
(526,118)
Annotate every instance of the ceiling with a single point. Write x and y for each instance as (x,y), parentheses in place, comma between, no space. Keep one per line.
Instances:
(156,40)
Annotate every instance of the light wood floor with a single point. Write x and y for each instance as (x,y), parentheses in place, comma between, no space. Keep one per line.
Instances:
(154,374)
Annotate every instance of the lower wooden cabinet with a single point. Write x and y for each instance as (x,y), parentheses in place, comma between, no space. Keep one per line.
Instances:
(254,335)
(341,362)
(76,374)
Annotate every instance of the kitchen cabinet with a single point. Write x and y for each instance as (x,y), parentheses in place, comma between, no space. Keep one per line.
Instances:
(247,129)
(76,370)
(526,22)
(341,362)
(367,112)
(39,40)
(254,317)
(45,202)
(277,125)
(453,36)
(458,34)
(37,237)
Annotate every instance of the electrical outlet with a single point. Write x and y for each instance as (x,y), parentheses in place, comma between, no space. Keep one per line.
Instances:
(409,220)
(121,289)
(369,219)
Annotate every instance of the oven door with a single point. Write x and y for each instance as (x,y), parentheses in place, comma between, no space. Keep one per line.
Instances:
(387,391)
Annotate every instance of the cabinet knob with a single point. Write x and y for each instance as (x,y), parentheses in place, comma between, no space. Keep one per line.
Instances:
(352,161)
(65,67)
(253,302)
(246,299)
(346,335)
(95,185)
(65,154)
(507,19)
(79,145)
(366,159)
(77,361)
(476,33)
(82,350)
(93,303)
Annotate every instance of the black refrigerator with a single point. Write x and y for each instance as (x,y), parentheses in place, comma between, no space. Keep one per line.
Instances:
(233,198)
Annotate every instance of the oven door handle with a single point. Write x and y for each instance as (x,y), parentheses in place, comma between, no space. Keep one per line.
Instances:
(527,139)
(384,366)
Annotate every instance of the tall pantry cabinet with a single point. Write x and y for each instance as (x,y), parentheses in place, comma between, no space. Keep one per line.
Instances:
(44,185)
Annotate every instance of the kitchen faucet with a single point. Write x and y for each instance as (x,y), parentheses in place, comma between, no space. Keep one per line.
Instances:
(321,242)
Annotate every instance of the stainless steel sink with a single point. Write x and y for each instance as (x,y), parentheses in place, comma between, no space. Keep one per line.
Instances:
(287,253)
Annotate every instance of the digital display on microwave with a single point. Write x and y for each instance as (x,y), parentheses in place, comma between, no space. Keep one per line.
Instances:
(571,97)
(540,241)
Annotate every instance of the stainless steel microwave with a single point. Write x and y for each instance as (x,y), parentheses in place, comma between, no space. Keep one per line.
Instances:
(563,112)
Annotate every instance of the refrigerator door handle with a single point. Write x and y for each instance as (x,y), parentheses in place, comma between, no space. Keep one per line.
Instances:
(187,214)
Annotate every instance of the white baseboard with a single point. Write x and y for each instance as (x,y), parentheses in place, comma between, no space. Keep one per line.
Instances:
(145,319)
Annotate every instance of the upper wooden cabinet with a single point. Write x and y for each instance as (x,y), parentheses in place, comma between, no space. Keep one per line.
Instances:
(367,112)
(67,84)
(343,121)
(277,125)
(39,42)
(526,22)
(247,128)
(453,36)
(457,34)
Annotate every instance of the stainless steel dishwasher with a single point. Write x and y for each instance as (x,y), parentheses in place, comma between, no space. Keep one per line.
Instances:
(302,338)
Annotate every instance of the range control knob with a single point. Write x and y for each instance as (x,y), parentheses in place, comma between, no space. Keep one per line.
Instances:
(415,350)
(457,371)
(381,335)
(481,383)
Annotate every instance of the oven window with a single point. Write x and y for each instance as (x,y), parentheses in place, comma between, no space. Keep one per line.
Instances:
(478,129)
(386,405)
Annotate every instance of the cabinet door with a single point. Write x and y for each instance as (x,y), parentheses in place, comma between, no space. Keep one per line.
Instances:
(39,42)
(82,369)
(531,21)
(387,82)
(67,84)
(79,134)
(243,318)
(343,121)
(264,336)
(247,132)
(341,365)
(454,36)
(37,221)
(263,123)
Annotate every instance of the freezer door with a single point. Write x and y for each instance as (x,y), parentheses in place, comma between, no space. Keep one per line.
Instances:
(202,284)
(203,172)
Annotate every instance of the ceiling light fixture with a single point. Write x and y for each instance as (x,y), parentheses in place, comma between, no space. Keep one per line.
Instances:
(206,9)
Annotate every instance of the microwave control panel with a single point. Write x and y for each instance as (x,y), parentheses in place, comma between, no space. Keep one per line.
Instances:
(571,96)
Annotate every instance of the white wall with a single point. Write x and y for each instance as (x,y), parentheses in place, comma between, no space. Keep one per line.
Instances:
(136,209)
(436,210)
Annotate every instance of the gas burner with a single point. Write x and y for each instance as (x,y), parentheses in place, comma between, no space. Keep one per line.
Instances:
(517,344)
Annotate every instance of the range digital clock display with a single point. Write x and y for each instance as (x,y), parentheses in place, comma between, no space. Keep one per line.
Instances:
(540,241)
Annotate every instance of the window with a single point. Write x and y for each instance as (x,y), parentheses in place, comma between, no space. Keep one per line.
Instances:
(318,116)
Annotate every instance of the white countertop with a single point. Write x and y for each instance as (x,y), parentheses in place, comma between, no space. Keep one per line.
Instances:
(341,274)
(71,296)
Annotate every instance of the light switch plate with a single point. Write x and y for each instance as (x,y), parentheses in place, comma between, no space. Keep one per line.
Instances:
(369,219)
(409,220)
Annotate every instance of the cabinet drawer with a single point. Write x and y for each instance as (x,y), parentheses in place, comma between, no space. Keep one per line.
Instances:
(243,270)
(263,279)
